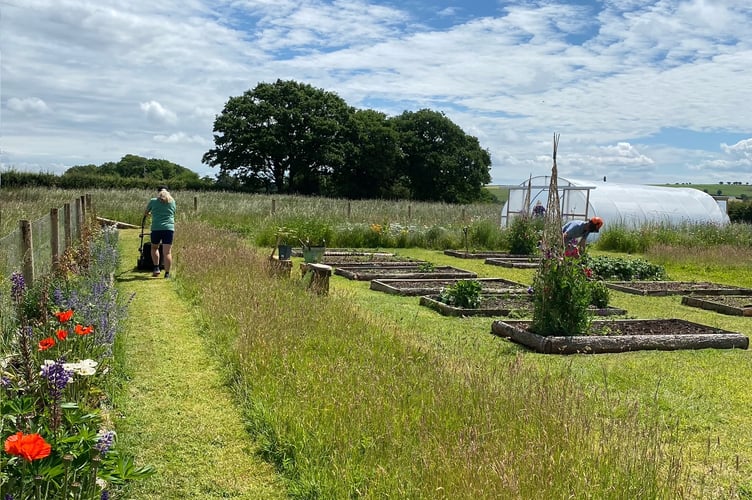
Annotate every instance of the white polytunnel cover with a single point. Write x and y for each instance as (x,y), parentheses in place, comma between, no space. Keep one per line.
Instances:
(626,205)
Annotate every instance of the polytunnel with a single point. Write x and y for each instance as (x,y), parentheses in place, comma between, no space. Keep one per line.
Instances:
(626,205)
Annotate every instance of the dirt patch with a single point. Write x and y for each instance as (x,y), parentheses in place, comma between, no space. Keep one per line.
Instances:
(676,288)
(611,336)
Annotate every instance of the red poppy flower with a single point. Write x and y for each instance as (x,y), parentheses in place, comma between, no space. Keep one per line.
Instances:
(45,344)
(81,330)
(588,272)
(61,334)
(64,316)
(29,446)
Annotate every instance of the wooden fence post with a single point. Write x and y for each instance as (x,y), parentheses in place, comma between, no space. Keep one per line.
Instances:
(409,212)
(55,239)
(349,209)
(83,208)
(88,203)
(27,246)
(68,225)
(274,205)
(79,219)
(195,203)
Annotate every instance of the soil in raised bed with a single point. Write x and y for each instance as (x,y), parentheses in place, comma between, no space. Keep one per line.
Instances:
(642,327)
(462,254)
(501,304)
(735,305)
(408,287)
(612,336)
(406,272)
(526,263)
(675,287)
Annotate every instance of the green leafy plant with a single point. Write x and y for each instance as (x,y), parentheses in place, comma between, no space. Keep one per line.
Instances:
(623,269)
(599,294)
(426,267)
(561,297)
(286,235)
(464,293)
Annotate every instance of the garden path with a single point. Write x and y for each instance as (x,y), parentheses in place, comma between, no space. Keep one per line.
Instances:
(177,414)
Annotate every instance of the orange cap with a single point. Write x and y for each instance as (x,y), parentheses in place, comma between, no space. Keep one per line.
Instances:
(597,222)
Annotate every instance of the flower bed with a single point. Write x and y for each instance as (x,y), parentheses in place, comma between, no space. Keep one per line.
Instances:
(624,335)
(734,305)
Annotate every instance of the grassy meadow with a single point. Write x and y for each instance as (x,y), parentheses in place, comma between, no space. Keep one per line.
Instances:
(365,394)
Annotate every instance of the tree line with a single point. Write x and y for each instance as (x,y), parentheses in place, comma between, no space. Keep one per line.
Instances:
(289,137)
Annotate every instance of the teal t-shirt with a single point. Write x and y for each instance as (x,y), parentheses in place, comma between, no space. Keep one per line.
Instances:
(162,215)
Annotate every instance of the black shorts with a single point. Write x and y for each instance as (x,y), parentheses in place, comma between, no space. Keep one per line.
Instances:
(163,236)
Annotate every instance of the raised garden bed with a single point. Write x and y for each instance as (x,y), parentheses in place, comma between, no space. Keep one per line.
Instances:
(410,287)
(366,259)
(462,254)
(734,305)
(414,272)
(518,263)
(676,288)
(609,336)
(382,264)
(504,304)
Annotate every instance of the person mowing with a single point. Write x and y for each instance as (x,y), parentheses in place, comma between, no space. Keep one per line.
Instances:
(579,229)
(162,210)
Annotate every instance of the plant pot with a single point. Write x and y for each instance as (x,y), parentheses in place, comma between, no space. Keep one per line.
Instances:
(313,255)
(284,252)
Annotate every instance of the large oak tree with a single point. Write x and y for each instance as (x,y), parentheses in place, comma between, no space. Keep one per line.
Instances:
(284,136)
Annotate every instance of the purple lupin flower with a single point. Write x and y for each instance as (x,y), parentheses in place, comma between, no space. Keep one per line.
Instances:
(104,442)
(57,376)
(18,286)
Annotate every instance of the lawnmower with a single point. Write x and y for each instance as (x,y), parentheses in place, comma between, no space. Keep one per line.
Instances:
(144,262)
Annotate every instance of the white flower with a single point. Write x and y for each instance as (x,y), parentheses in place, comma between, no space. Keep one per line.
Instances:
(86,367)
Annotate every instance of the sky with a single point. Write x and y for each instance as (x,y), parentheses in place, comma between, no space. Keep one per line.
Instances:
(640,91)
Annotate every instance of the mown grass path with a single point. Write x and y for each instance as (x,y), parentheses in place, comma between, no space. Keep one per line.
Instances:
(177,414)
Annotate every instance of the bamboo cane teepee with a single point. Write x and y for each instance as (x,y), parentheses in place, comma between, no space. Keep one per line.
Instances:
(552,240)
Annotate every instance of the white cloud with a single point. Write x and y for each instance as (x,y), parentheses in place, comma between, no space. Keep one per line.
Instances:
(741,150)
(32,105)
(156,112)
(182,138)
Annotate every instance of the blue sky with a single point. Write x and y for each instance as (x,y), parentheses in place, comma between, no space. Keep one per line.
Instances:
(641,91)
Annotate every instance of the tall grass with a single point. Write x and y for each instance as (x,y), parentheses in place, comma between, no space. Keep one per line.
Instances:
(346,404)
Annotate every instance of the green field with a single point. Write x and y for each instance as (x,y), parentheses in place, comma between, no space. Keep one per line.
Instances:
(364,394)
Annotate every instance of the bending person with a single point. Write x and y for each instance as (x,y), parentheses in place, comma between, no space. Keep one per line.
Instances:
(575,230)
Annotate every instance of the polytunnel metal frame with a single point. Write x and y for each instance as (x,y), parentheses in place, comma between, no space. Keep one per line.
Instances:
(529,191)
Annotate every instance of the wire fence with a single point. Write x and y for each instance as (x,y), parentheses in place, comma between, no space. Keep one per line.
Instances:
(34,247)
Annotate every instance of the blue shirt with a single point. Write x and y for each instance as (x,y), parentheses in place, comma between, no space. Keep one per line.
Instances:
(575,229)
